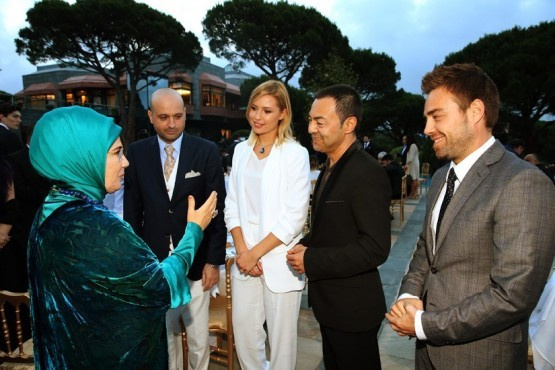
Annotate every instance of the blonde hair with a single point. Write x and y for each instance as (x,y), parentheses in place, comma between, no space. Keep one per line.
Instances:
(278,90)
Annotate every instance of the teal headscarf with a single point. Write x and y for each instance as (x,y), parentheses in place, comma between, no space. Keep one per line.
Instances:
(69,145)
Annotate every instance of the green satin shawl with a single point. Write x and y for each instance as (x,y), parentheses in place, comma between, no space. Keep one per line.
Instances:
(69,146)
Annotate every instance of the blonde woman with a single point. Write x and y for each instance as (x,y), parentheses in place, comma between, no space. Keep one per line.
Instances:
(265,211)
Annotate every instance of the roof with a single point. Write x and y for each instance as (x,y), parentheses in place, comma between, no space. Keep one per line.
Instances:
(232,89)
(87,81)
(40,88)
(213,80)
(180,76)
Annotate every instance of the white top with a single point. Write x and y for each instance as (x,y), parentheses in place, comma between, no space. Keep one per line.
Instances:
(253,182)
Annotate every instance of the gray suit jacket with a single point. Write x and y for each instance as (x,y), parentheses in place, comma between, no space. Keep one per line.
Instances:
(493,256)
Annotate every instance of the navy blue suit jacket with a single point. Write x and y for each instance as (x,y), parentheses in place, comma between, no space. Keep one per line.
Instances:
(155,217)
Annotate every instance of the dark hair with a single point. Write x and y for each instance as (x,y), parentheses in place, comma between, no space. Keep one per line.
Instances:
(466,82)
(410,140)
(7,108)
(347,101)
(387,157)
(515,143)
(6,179)
(314,162)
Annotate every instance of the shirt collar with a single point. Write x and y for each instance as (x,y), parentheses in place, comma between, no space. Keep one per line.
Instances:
(466,164)
(2,124)
(176,145)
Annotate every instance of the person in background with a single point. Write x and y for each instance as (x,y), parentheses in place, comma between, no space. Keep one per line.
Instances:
(533,158)
(99,295)
(10,120)
(516,146)
(265,211)
(349,235)
(412,166)
(486,245)
(395,173)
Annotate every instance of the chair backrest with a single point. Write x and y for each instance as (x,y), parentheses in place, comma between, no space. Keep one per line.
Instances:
(425,169)
(14,344)
(404,187)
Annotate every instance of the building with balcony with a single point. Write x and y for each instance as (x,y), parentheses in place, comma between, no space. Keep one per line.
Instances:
(211,100)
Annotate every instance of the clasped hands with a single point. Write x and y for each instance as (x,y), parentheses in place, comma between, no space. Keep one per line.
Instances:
(248,263)
(401,316)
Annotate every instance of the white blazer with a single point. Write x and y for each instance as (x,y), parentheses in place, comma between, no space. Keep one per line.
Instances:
(284,206)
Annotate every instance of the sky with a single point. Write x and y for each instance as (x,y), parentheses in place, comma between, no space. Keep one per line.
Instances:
(417,34)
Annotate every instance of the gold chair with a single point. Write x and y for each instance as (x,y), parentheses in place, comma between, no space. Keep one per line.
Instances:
(18,351)
(220,321)
(401,201)
(424,177)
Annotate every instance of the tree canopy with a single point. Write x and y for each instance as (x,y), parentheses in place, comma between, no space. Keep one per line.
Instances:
(521,61)
(111,38)
(279,38)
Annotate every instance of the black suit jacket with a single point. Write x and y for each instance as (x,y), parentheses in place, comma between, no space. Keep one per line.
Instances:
(154,217)
(30,187)
(10,142)
(349,238)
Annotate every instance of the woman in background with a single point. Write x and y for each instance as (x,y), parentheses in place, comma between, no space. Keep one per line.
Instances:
(266,208)
(412,166)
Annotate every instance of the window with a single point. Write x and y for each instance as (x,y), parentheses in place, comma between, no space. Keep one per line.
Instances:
(213,96)
(43,101)
(184,89)
(70,100)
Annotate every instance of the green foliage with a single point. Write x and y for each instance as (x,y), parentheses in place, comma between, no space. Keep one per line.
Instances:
(332,70)
(279,38)
(109,37)
(376,73)
(394,115)
(521,61)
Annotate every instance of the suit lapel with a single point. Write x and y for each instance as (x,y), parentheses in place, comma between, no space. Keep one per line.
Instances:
(186,153)
(477,174)
(153,161)
(331,180)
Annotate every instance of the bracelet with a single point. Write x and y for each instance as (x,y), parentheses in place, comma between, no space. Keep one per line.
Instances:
(217,267)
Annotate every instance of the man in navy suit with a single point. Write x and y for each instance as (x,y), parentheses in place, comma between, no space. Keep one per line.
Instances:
(163,170)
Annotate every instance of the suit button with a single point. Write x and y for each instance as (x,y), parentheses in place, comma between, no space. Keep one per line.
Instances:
(434,270)
(170,210)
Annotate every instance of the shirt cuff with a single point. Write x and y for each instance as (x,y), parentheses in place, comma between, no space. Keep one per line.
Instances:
(418,325)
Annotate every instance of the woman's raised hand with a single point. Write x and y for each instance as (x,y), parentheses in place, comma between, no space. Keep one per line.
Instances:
(205,213)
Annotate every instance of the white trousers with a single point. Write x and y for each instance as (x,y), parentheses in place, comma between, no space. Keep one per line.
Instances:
(254,303)
(195,317)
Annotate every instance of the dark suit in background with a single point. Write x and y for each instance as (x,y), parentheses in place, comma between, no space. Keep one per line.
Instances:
(31,188)
(10,142)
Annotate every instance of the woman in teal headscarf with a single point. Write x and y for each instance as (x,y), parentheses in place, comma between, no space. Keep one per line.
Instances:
(98,294)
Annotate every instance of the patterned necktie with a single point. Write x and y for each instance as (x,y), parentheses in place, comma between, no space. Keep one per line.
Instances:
(169,162)
(448,195)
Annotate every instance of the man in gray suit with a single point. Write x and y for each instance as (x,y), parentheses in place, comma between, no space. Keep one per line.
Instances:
(484,254)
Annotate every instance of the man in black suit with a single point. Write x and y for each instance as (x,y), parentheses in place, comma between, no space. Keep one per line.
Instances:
(368,146)
(163,170)
(395,173)
(30,187)
(10,119)
(349,236)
